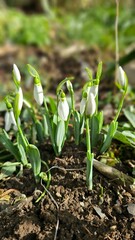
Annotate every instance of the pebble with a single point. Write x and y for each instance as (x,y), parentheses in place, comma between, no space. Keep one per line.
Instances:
(114,227)
(133,226)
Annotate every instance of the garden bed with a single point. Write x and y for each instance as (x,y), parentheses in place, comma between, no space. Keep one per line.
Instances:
(68,210)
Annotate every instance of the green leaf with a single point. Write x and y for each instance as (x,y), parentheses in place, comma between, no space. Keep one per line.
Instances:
(60,135)
(51,129)
(23,155)
(89,71)
(52,103)
(21,139)
(40,131)
(99,70)
(7,170)
(96,126)
(45,126)
(100,119)
(32,71)
(7,143)
(35,159)
(130,116)
(109,136)
(124,139)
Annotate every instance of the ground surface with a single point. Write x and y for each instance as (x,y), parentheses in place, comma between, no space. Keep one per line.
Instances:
(68,211)
(81,214)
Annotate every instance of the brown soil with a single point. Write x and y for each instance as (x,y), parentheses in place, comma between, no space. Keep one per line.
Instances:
(68,211)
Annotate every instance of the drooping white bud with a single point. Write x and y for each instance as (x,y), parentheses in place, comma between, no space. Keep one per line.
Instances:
(83,103)
(63,108)
(20,99)
(16,73)
(90,105)
(69,86)
(38,93)
(121,77)
(18,103)
(94,90)
(9,120)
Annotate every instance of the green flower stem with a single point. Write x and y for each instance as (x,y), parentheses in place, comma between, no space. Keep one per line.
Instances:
(25,141)
(59,87)
(72,100)
(89,163)
(120,106)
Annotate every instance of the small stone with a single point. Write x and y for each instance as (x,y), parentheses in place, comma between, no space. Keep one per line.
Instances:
(131,208)
(133,226)
(82,204)
(114,227)
(58,194)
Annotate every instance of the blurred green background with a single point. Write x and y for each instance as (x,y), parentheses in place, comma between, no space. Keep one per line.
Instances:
(49,22)
(60,38)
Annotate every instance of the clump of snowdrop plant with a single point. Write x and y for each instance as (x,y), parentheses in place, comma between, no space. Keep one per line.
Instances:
(26,154)
(56,116)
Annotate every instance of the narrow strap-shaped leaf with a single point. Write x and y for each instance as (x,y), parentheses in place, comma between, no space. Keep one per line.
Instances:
(45,126)
(35,159)
(110,135)
(94,125)
(99,70)
(7,143)
(130,116)
(23,155)
(40,131)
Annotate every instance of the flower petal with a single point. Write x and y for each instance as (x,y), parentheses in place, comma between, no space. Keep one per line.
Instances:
(16,73)
(7,121)
(63,109)
(38,94)
(90,105)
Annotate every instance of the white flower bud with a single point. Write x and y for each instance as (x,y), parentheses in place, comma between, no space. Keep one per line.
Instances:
(63,109)
(20,100)
(69,86)
(9,120)
(94,90)
(16,73)
(38,93)
(83,105)
(121,77)
(90,105)
(18,103)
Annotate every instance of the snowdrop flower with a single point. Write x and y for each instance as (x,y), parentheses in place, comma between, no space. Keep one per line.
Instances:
(83,103)
(63,108)
(9,120)
(20,99)
(94,90)
(90,105)
(121,77)
(9,116)
(18,103)
(38,93)
(16,74)
(69,86)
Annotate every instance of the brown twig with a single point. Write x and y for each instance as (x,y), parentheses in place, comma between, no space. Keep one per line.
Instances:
(117,176)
